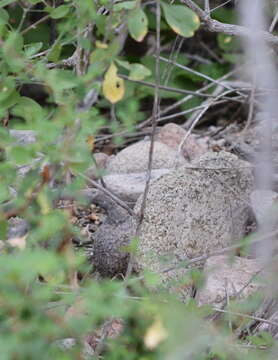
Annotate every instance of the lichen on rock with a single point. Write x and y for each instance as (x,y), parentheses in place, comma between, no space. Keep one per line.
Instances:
(194,210)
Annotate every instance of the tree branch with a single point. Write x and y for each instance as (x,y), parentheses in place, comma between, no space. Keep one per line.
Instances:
(229,29)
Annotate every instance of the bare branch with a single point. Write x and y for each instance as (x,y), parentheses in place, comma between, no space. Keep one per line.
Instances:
(229,29)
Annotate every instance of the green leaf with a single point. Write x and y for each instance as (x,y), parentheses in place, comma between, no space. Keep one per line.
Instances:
(21,155)
(61,79)
(181,19)
(3,229)
(139,72)
(4,16)
(4,192)
(137,24)
(228,42)
(55,52)
(6,2)
(7,86)
(8,94)
(59,12)
(136,71)
(125,64)
(126,5)
(31,49)
(27,108)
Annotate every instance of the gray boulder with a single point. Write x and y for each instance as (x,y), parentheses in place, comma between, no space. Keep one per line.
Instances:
(130,186)
(134,158)
(194,210)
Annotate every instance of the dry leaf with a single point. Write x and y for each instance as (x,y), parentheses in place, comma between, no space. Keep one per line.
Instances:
(113,86)
(155,334)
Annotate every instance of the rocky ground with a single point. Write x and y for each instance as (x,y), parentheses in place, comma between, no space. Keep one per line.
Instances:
(202,201)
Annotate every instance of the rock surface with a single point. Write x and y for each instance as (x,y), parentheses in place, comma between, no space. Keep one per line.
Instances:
(23,137)
(194,210)
(226,276)
(172,135)
(130,186)
(109,257)
(134,158)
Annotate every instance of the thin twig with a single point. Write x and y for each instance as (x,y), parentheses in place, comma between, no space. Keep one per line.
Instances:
(197,73)
(155,111)
(109,193)
(251,105)
(166,88)
(207,6)
(225,250)
(274,21)
(167,109)
(33,26)
(154,123)
(247,316)
(229,29)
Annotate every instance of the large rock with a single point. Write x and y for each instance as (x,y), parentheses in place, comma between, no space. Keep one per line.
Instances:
(228,277)
(130,186)
(134,158)
(194,210)
(173,135)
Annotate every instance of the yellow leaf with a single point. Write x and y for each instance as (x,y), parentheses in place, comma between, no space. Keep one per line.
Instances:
(43,201)
(91,142)
(155,334)
(101,45)
(228,39)
(113,86)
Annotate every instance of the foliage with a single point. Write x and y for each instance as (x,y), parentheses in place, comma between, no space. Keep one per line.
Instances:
(51,58)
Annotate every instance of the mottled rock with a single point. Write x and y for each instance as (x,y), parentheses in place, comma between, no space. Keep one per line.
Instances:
(134,158)
(226,276)
(130,186)
(172,135)
(194,210)
(110,257)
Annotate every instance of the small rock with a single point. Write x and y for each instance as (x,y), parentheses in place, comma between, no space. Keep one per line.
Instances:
(23,137)
(226,276)
(17,228)
(194,210)
(110,258)
(130,186)
(172,135)
(134,158)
